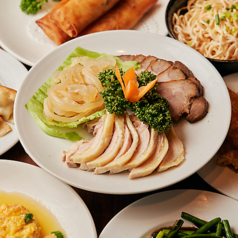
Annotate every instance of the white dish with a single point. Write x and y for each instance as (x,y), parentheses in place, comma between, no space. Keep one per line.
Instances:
(65,204)
(222,178)
(22,37)
(12,73)
(143,217)
(46,150)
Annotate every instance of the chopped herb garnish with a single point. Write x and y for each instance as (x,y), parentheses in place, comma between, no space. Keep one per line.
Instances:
(227,9)
(58,234)
(233,30)
(223,18)
(235,16)
(217,20)
(28,217)
(233,7)
(207,21)
(208,7)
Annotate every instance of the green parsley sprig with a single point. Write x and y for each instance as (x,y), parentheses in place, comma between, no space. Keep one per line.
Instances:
(151,109)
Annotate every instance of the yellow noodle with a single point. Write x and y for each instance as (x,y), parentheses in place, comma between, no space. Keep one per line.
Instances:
(198,28)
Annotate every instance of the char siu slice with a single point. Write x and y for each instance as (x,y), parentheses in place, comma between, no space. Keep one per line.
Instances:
(179,94)
(198,109)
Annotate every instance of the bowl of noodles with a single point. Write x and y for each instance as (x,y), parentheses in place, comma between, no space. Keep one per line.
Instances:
(208,26)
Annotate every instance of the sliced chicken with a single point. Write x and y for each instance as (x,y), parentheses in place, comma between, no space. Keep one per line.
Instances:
(153,162)
(114,146)
(125,147)
(179,94)
(171,73)
(175,154)
(102,143)
(138,159)
(82,145)
(144,139)
(120,161)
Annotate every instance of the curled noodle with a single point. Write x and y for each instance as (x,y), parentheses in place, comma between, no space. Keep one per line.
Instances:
(198,27)
(74,92)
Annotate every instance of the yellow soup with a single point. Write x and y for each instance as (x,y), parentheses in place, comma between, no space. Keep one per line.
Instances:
(43,216)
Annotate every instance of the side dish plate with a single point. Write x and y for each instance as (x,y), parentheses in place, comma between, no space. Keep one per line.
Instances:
(65,204)
(22,37)
(222,178)
(12,73)
(200,139)
(143,217)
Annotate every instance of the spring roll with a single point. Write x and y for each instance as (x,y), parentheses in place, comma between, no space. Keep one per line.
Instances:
(50,28)
(124,15)
(76,15)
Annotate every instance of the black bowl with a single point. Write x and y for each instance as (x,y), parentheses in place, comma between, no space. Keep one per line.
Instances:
(223,66)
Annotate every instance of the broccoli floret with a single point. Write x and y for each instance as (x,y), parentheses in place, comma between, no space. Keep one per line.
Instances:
(31,6)
(151,109)
(113,96)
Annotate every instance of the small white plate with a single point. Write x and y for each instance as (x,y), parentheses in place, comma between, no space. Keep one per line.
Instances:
(222,178)
(143,217)
(46,150)
(65,204)
(24,39)
(12,73)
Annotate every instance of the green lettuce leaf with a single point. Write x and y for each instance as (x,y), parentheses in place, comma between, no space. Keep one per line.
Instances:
(53,128)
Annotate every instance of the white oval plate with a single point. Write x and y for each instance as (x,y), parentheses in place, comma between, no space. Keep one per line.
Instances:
(46,150)
(65,204)
(143,217)
(12,73)
(24,39)
(222,178)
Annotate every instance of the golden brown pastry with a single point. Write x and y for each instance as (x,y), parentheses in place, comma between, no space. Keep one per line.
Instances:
(4,128)
(76,15)
(51,29)
(7,98)
(124,15)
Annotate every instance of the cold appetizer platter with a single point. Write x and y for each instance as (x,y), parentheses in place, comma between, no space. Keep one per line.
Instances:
(221,171)
(10,81)
(37,35)
(150,214)
(130,133)
(41,205)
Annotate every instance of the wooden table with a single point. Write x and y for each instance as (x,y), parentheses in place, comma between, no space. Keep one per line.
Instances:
(103,206)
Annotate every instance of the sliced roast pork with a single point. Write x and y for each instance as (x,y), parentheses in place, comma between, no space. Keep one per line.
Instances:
(98,148)
(153,162)
(114,146)
(179,94)
(157,66)
(198,109)
(171,73)
(175,154)
(120,161)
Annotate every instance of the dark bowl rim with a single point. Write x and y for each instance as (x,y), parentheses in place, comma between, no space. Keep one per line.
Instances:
(169,5)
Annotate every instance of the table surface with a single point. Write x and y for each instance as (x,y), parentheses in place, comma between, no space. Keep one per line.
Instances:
(110,205)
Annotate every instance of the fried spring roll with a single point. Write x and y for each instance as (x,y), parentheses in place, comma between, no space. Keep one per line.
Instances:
(124,15)
(76,15)
(51,29)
